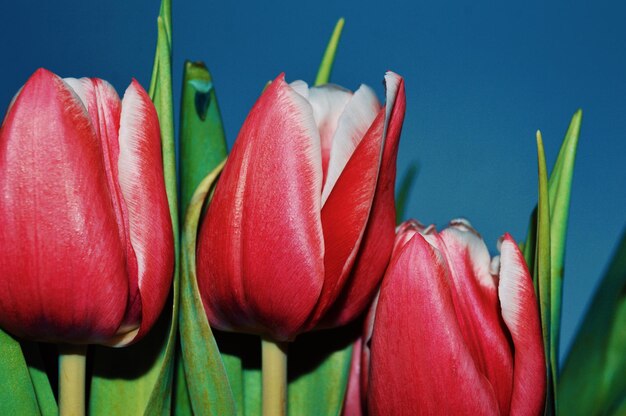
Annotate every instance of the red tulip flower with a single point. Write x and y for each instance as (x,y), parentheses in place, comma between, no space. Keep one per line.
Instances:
(452,333)
(301,225)
(87,246)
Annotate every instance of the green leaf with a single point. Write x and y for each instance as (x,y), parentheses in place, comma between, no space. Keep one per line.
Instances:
(593,381)
(326,67)
(41,384)
(139,379)
(202,139)
(319,365)
(207,382)
(542,269)
(404,190)
(559,190)
(17,394)
(558,201)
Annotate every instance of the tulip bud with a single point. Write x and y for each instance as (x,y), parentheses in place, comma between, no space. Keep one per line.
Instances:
(87,246)
(301,224)
(451,337)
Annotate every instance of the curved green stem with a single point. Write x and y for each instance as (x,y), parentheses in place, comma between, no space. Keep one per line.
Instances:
(72,360)
(274,369)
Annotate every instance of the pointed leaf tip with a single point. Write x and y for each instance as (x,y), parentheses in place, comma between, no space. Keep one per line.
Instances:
(323,74)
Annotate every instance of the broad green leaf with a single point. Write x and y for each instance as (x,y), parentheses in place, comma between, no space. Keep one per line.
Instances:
(202,139)
(593,380)
(207,382)
(17,394)
(319,365)
(404,190)
(326,67)
(181,401)
(41,384)
(138,379)
(542,268)
(559,189)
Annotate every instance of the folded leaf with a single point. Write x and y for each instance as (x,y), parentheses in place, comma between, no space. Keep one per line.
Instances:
(319,365)
(592,381)
(202,139)
(207,383)
(542,268)
(17,394)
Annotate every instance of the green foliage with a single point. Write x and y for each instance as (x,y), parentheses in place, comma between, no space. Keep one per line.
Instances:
(17,394)
(326,67)
(207,383)
(404,191)
(544,248)
(202,139)
(593,381)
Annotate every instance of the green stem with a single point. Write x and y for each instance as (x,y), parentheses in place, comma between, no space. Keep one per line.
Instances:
(274,369)
(72,360)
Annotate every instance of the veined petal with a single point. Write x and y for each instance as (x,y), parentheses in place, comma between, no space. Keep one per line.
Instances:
(477,307)
(520,313)
(328,102)
(377,238)
(142,185)
(64,273)
(104,108)
(267,201)
(420,363)
(349,128)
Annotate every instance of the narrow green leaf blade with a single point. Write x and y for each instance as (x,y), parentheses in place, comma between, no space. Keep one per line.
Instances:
(592,381)
(319,366)
(408,180)
(202,138)
(326,67)
(542,268)
(559,190)
(207,382)
(17,394)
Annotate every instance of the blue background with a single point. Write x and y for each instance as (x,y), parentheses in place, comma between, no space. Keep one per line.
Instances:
(480,79)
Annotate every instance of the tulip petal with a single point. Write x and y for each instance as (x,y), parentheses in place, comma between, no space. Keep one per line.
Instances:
(328,102)
(377,239)
(519,311)
(267,201)
(419,361)
(352,405)
(104,108)
(142,185)
(63,265)
(349,128)
(477,307)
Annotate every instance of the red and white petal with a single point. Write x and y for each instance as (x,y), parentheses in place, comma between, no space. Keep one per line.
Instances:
(419,361)
(328,103)
(104,108)
(476,303)
(64,273)
(142,185)
(349,128)
(376,243)
(261,250)
(521,315)
(352,404)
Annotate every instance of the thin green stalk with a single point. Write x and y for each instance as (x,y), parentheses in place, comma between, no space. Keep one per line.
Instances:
(274,369)
(72,361)
(323,75)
